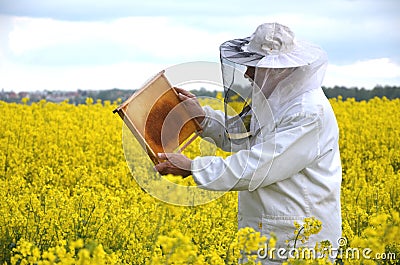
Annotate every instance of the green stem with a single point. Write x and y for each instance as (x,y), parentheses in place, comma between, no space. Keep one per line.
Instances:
(297,236)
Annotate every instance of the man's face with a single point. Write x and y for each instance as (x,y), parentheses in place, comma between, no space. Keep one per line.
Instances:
(274,74)
(250,72)
(267,78)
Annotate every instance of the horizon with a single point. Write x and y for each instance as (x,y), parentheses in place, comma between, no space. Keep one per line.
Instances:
(191,89)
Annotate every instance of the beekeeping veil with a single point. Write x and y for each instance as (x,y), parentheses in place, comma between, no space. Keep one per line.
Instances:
(270,61)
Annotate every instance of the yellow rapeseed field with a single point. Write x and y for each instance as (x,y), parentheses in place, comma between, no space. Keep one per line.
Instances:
(68,196)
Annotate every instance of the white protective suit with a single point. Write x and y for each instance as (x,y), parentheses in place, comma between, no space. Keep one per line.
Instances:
(290,169)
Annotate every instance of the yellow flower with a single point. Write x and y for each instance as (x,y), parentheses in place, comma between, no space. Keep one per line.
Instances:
(64,178)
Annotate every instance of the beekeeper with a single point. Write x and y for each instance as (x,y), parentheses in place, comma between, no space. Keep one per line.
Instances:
(283,134)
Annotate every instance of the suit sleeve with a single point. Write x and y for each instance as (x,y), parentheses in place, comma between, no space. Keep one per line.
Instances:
(276,156)
(214,128)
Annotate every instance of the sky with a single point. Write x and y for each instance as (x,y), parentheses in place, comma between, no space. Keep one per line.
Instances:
(98,44)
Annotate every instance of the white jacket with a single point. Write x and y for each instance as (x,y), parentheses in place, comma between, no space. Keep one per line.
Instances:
(290,170)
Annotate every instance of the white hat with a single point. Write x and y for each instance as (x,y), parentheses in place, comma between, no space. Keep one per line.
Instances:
(272,45)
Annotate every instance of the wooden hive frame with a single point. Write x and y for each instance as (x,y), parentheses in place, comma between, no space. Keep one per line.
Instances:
(156,118)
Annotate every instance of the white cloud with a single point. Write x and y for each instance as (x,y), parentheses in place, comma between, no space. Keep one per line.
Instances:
(165,37)
(367,74)
(29,34)
(121,75)
(154,43)
(127,75)
(160,37)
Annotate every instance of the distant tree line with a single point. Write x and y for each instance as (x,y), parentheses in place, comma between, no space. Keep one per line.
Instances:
(390,92)
(73,97)
(112,95)
(119,95)
(202,92)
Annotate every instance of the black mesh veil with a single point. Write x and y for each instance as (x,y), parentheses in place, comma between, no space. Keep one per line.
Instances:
(237,100)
